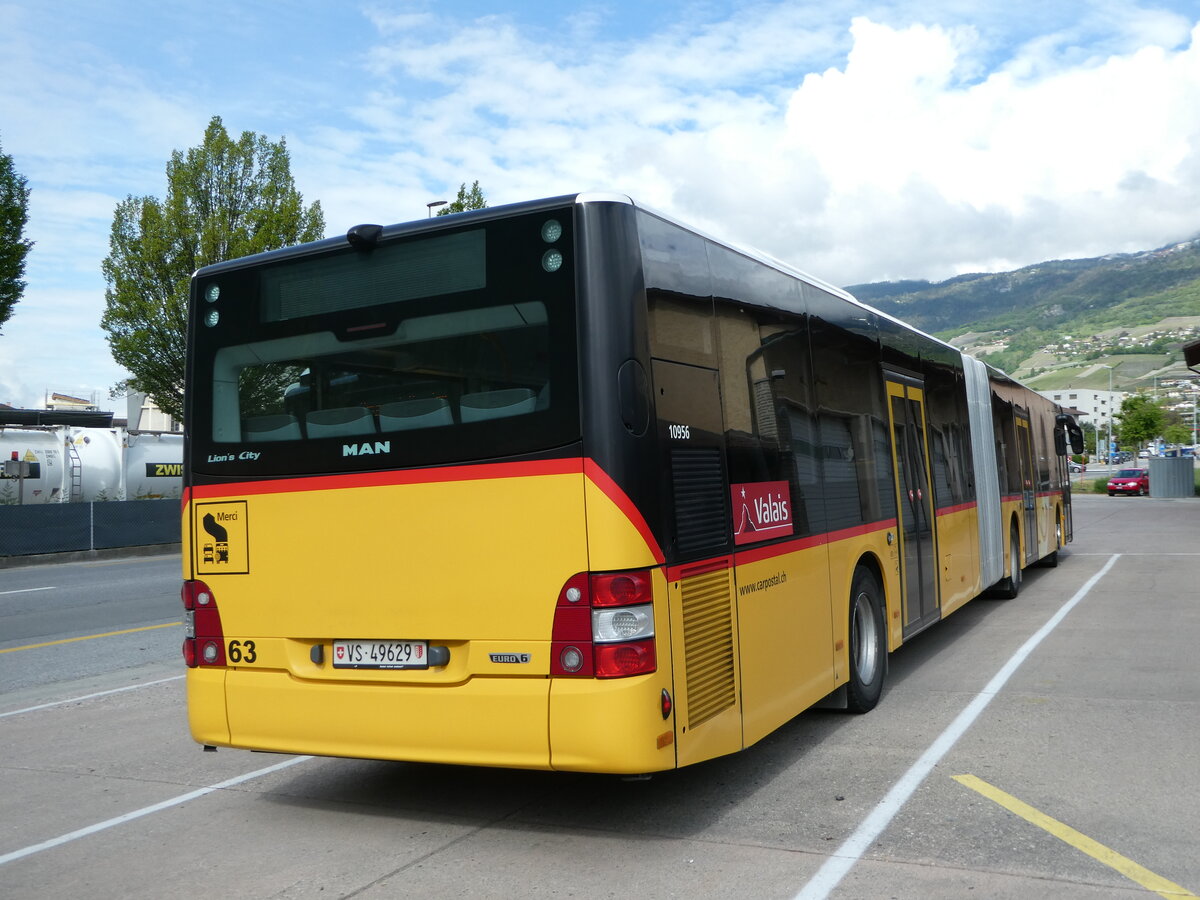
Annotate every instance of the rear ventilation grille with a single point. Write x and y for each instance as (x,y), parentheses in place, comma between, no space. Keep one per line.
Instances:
(708,645)
(699,487)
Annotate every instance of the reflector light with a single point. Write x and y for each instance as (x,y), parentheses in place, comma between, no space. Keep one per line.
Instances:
(212,652)
(571,659)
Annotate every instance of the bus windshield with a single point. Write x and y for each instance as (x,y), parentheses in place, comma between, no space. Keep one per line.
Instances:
(430,350)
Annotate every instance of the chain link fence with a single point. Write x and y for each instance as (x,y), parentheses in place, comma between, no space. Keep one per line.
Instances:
(63,527)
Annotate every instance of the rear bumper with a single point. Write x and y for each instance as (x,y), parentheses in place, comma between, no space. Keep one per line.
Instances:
(486,721)
(582,725)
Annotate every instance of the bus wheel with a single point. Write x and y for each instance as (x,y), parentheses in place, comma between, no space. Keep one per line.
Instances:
(1009,587)
(868,643)
(1050,560)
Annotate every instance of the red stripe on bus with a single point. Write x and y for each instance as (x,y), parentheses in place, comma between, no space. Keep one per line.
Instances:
(603,481)
(770,551)
(782,548)
(958,507)
(700,567)
(483,472)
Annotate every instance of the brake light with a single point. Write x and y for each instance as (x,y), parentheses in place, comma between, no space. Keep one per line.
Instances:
(203,638)
(604,626)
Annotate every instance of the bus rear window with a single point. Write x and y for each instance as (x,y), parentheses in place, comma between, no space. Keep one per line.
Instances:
(432,372)
(428,350)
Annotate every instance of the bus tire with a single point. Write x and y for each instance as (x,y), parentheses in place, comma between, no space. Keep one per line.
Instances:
(868,643)
(1008,588)
(1050,560)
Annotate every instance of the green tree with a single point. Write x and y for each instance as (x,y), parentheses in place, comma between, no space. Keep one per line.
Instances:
(225,199)
(14,213)
(1177,433)
(467,199)
(1140,420)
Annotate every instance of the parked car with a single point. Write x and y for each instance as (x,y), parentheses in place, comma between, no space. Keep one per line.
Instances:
(1129,481)
(1073,466)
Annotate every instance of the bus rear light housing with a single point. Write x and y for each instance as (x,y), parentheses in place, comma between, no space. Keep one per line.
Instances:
(203,637)
(604,626)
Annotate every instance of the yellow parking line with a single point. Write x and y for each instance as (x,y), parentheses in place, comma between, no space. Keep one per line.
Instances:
(88,637)
(1082,842)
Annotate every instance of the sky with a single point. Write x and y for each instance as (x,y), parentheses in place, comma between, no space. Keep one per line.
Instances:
(858,141)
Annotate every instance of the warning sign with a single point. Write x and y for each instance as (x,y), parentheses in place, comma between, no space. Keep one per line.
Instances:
(221,546)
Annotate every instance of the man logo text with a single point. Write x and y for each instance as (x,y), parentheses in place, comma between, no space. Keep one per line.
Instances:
(366,448)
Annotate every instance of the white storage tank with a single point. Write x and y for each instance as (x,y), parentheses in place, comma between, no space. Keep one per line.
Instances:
(43,448)
(153,465)
(102,474)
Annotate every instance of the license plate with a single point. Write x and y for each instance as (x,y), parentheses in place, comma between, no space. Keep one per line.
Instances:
(380,655)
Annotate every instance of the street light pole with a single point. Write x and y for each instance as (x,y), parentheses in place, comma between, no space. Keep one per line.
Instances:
(432,203)
(1195,392)
(1108,442)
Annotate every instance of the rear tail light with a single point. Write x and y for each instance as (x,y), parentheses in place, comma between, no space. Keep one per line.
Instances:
(203,639)
(604,626)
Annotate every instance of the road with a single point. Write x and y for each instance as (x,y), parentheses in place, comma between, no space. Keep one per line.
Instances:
(1040,747)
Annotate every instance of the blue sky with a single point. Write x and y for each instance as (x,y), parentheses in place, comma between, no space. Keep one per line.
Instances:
(858,141)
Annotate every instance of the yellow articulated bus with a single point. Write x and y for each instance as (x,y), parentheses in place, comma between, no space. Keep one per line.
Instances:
(567,485)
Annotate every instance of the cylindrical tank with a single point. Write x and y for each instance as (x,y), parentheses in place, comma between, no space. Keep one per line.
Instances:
(153,465)
(99,453)
(43,448)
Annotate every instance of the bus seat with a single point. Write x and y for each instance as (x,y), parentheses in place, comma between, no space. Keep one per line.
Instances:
(285,427)
(496,404)
(340,422)
(404,415)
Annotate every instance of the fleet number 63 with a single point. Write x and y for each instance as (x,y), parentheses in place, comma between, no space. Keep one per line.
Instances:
(242,652)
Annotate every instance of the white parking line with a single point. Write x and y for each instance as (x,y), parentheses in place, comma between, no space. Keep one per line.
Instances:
(131,687)
(843,859)
(146,810)
(25,591)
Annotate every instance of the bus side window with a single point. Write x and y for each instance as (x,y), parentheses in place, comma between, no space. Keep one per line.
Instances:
(768,411)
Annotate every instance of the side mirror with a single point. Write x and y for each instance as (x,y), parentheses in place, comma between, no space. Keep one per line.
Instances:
(1076,434)
(1060,442)
(1066,428)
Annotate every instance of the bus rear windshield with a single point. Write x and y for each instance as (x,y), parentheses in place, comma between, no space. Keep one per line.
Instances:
(416,353)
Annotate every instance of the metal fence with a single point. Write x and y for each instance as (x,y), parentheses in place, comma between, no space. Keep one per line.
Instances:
(62,527)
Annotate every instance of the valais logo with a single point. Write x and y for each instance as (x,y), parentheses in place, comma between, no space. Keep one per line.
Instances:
(761,510)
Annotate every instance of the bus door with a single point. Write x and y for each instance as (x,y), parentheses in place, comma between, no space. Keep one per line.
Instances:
(1028,481)
(914,501)
(700,561)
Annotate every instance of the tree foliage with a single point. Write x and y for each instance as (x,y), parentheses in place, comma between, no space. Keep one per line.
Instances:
(1177,433)
(1141,419)
(14,246)
(224,199)
(471,198)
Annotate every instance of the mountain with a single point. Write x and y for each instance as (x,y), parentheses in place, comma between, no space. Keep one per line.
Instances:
(1061,316)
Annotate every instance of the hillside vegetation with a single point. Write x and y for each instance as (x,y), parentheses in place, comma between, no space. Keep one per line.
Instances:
(1056,322)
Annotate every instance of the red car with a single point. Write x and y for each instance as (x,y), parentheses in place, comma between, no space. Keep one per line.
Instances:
(1129,481)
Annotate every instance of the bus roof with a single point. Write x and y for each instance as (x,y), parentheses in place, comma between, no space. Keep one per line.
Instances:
(527,206)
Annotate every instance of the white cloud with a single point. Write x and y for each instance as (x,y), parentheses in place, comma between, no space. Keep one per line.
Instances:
(919,140)
(884,165)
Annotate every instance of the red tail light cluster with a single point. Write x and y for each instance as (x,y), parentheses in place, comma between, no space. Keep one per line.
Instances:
(604,626)
(203,640)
